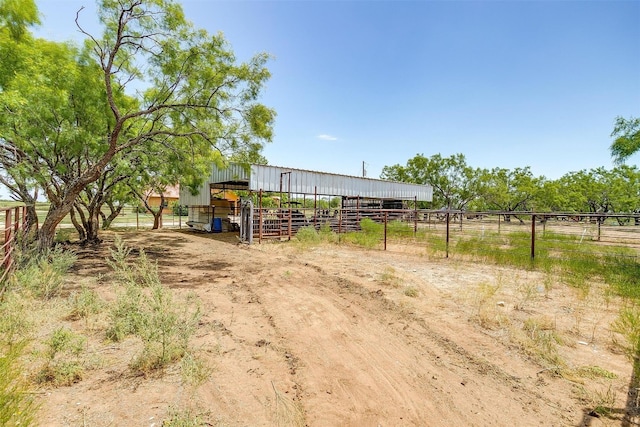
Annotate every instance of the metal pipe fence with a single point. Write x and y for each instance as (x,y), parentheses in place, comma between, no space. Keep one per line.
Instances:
(14,222)
(449,231)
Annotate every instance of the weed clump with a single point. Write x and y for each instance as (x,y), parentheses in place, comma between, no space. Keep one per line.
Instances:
(17,406)
(63,365)
(147,310)
(42,275)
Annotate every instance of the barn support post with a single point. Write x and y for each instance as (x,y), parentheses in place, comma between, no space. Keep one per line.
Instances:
(315,205)
(448,217)
(533,236)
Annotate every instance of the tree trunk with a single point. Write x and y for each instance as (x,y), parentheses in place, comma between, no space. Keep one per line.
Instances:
(92,227)
(79,227)
(47,232)
(107,220)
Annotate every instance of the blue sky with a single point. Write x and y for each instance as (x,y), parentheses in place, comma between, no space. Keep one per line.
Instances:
(507,83)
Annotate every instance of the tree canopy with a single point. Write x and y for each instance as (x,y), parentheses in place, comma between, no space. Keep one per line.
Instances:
(627,138)
(150,89)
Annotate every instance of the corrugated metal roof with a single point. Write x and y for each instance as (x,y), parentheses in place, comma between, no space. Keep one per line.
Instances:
(299,181)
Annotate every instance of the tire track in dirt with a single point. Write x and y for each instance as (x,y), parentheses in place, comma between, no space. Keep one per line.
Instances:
(322,309)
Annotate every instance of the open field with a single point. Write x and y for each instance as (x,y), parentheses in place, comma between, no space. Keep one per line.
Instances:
(325,335)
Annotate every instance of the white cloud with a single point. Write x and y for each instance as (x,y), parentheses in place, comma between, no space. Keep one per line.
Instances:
(327,137)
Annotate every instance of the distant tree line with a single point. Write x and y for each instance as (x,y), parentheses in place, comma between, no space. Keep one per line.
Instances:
(458,186)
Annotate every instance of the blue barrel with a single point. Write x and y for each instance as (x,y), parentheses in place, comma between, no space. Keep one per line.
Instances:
(217,225)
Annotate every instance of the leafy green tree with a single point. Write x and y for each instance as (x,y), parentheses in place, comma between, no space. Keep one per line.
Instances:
(587,190)
(627,138)
(455,184)
(511,190)
(16,16)
(151,80)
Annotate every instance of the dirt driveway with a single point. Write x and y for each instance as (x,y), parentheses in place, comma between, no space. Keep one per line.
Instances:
(342,336)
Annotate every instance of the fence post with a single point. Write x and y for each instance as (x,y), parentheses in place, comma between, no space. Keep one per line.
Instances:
(447,240)
(385,231)
(533,236)
(7,238)
(415,216)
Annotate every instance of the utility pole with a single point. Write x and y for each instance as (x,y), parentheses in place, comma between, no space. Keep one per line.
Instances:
(364,171)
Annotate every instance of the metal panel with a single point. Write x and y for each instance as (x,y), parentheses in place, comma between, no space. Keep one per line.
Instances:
(269,178)
(203,198)
(276,179)
(232,173)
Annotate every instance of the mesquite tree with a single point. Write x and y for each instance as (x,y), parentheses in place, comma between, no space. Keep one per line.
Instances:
(151,79)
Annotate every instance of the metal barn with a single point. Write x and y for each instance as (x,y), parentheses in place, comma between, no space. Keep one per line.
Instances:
(214,209)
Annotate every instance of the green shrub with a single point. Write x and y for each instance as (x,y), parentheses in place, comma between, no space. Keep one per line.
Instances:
(17,407)
(125,315)
(185,418)
(628,325)
(43,274)
(63,365)
(179,210)
(147,310)
(308,235)
(327,234)
(84,304)
(165,328)
(369,236)
(140,272)
(14,323)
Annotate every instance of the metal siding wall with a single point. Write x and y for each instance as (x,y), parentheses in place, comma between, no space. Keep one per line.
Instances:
(234,172)
(201,199)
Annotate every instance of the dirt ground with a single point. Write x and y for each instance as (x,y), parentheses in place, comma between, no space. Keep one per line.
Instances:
(342,336)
